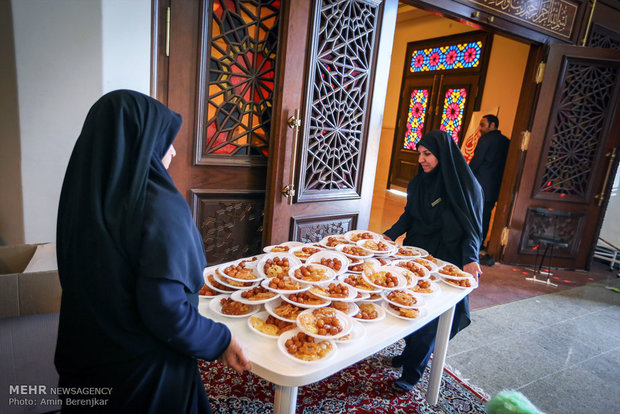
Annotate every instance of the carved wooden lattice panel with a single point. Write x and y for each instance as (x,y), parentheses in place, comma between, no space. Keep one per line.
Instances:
(240,41)
(584,104)
(341,66)
(313,229)
(554,224)
(605,38)
(230,224)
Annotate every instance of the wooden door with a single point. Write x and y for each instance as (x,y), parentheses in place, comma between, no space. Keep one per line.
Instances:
(237,71)
(221,70)
(443,102)
(336,55)
(442,85)
(413,119)
(571,156)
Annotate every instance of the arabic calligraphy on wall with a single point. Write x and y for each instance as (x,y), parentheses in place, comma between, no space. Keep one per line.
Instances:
(555,16)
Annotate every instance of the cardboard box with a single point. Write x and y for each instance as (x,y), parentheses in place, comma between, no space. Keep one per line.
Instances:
(29,305)
(29,283)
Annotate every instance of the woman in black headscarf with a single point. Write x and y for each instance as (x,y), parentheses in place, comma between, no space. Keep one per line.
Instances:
(130,261)
(443,215)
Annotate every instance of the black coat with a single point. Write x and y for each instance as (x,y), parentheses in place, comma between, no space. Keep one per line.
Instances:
(130,261)
(488,163)
(443,214)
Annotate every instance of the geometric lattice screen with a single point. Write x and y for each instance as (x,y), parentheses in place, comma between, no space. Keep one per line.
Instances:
(237,103)
(585,98)
(604,38)
(341,62)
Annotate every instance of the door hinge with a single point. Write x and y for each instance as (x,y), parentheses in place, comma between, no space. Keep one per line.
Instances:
(504,239)
(525,142)
(167,31)
(540,72)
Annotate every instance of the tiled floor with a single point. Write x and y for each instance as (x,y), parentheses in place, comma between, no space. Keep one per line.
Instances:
(562,350)
(560,346)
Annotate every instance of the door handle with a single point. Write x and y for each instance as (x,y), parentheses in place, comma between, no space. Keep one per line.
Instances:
(601,196)
(294,122)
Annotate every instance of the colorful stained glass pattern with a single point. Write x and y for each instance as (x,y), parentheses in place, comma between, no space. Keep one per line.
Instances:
(453,112)
(239,86)
(415,118)
(460,56)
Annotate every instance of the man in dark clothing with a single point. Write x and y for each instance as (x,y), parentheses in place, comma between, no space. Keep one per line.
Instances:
(488,167)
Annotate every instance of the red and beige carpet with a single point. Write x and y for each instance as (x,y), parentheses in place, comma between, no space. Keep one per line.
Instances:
(365,387)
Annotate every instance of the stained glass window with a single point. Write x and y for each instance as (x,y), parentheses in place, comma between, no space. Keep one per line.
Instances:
(460,56)
(453,112)
(415,118)
(240,81)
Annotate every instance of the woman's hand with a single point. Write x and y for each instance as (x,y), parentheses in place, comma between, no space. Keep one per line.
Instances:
(233,356)
(473,268)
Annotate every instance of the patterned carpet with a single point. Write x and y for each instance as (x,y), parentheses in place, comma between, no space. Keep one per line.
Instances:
(365,387)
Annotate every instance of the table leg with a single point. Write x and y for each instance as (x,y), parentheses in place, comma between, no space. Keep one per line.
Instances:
(439,355)
(284,400)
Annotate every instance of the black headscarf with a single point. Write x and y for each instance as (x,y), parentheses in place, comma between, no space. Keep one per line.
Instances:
(453,181)
(120,217)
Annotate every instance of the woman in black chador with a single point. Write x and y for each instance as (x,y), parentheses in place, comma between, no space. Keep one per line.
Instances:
(443,215)
(130,261)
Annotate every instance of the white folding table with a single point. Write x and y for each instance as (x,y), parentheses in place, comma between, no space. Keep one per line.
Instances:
(269,363)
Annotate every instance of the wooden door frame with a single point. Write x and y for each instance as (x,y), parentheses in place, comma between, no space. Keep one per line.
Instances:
(513,169)
(159,57)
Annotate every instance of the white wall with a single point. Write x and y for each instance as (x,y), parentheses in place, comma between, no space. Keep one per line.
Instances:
(126,45)
(610,230)
(68,53)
